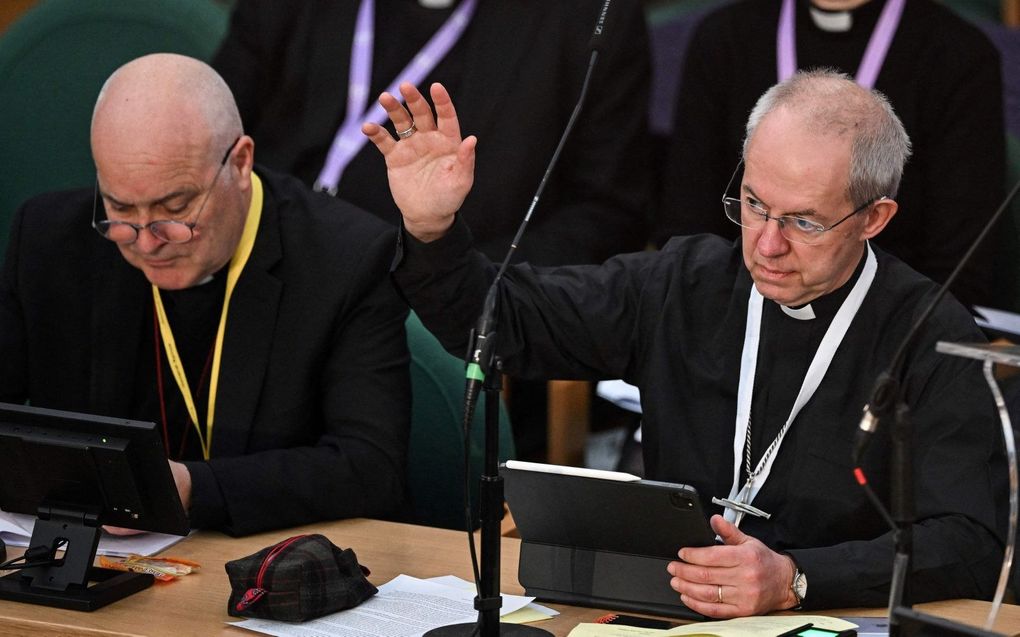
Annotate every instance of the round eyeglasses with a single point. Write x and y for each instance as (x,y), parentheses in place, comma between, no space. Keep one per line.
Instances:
(748,213)
(168,230)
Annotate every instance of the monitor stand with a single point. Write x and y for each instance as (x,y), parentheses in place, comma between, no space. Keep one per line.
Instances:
(73,584)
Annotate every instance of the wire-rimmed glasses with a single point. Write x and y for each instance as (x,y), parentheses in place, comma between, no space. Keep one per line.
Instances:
(168,230)
(749,213)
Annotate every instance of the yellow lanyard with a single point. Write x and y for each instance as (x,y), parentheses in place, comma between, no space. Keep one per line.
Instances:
(237,262)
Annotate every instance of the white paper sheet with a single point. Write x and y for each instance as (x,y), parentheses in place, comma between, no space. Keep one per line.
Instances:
(463,584)
(404,607)
(739,627)
(16,530)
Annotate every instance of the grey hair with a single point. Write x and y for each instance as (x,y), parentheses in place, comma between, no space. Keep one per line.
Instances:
(832,104)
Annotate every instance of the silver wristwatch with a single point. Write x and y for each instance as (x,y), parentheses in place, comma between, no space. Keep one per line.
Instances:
(799,585)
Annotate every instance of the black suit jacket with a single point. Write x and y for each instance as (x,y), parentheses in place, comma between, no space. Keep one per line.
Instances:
(312,411)
(514,77)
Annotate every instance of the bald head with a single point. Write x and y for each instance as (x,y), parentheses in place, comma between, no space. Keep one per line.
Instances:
(168,146)
(165,103)
(830,104)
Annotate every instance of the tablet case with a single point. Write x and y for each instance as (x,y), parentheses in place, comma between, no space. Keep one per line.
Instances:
(603,543)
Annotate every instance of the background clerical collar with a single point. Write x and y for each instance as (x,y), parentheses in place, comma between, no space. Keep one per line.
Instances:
(436,4)
(833,21)
(842,21)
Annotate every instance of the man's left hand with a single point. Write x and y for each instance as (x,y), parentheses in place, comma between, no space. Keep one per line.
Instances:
(742,577)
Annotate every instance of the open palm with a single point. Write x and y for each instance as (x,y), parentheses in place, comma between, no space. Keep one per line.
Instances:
(431,170)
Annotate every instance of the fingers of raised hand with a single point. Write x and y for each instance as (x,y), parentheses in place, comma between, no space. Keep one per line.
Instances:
(419,108)
(396,112)
(448,123)
(379,136)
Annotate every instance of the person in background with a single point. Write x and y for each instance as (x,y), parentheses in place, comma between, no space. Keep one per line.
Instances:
(306,75)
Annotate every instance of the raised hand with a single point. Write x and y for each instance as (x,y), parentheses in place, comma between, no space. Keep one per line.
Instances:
(743,577)
(430,168)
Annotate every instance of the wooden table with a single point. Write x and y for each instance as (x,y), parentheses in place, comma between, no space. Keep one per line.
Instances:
(196,604)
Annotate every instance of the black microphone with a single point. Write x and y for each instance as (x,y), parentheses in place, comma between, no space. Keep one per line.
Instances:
(887,386)
(595,43)
(883,398)
(480,353)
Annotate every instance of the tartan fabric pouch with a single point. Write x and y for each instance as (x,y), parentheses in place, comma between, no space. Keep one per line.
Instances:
(300,578)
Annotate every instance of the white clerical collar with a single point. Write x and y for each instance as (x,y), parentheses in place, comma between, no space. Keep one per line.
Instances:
(831,21)
(802,313)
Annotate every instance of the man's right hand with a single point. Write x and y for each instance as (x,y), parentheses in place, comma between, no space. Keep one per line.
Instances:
(431,170)
(182,480)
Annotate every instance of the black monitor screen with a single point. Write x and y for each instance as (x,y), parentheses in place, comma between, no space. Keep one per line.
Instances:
(113,468)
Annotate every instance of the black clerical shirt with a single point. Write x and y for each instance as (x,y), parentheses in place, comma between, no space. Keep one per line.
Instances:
(785,351)
(672,322)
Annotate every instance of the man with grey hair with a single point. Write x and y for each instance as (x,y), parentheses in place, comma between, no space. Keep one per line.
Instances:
(753,358)
(252,320)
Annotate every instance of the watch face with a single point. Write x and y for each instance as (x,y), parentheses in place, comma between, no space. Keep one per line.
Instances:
(800,585)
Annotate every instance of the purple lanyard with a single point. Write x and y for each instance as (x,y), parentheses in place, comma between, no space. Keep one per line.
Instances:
(874,55)
(349,139)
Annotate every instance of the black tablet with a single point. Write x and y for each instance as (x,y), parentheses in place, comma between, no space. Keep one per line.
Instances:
(602,539)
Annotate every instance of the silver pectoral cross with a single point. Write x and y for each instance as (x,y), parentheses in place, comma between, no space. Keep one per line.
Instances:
(740,505)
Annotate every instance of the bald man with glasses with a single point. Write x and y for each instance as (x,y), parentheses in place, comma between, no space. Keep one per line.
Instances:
(253,320)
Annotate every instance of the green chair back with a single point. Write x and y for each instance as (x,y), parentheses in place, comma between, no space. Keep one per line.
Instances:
(976,11)
(54,60)
(435,471)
